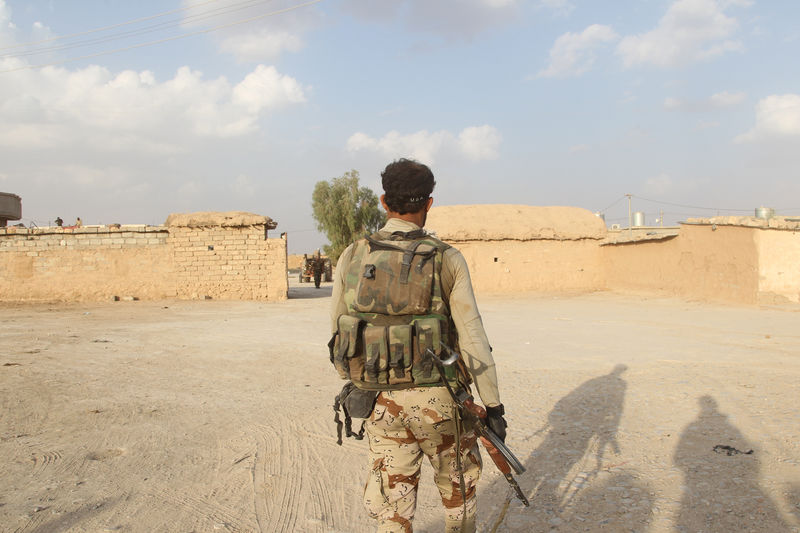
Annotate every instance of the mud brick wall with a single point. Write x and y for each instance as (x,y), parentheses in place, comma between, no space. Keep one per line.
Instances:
(198,255)
(85,264)
(231,263)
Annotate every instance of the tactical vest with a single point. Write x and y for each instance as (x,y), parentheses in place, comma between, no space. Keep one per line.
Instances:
(395,313)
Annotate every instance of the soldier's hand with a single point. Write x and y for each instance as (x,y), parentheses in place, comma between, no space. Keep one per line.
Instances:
(496,422)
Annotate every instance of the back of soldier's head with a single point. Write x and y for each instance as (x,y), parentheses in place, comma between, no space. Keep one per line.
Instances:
(407,185)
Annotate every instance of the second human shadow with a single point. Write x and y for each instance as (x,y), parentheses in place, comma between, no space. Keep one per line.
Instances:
(569,475)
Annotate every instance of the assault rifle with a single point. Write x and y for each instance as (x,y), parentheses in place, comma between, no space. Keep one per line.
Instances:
(476,415)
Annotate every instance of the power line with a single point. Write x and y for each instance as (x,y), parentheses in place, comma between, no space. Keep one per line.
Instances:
(104,28)
(167,39)
(687,206)
(210,14)
(618,200)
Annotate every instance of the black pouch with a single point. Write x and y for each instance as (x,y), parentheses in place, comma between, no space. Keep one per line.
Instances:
(355,403)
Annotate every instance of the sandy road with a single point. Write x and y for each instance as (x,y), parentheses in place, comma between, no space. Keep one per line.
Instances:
(215,416)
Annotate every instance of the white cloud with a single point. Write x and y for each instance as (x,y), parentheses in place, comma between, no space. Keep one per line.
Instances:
(132,111)
(690,31)
(726,99)
(497,4)
(674,104)
(480,142)
(7,27)
(558,7)
(261,44)
(451,19)
(573,54)
(267,35)
(716,101)
(266,88)
(476,143)
(777,117)
(658,184)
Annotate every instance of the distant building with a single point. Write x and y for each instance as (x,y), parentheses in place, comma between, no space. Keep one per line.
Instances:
(10,208)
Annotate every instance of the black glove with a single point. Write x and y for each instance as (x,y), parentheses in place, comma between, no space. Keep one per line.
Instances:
(495,420)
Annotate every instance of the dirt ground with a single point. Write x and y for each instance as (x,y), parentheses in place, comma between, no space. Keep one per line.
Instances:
(195,416)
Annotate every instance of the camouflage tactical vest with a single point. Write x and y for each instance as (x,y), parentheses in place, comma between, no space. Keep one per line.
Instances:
(396,312)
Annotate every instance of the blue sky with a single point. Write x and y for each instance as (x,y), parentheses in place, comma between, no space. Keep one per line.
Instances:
(540,102)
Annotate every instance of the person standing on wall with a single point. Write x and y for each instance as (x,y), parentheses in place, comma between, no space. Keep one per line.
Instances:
(397,293)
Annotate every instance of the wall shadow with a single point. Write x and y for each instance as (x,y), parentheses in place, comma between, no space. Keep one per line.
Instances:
(721,491)
(570,481)
(308,291)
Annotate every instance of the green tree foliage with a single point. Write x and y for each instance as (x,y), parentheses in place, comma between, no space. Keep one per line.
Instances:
(345,212)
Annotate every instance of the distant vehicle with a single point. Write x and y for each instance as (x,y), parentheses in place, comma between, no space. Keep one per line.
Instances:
(307,269)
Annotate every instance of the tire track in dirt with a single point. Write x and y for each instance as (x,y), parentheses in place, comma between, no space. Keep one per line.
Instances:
(33,523)
(289,477)
(259,491)
(204,510)
(289,492)
(321,495)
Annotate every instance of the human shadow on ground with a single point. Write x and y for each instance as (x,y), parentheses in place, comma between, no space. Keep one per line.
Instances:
(310,291)
(721,490)
(569,480)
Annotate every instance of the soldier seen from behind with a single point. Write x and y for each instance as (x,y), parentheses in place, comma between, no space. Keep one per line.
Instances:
(397,294)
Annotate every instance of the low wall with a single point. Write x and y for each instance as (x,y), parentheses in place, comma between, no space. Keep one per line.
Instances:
(779,265)
(88,263)
(702,262)
(740,260)
(199,255)
(537,265)
(512,248)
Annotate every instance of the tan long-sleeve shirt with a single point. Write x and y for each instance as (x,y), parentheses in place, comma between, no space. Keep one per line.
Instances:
(457,291)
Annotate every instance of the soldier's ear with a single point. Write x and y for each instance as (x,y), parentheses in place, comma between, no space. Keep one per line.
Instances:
(383,202)
(428,204)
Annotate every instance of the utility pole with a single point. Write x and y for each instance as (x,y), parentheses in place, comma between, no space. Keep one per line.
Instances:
(630,218)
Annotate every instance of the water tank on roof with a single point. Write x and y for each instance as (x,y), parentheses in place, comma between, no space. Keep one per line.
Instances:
(765,212)
(10,207)
(638,219)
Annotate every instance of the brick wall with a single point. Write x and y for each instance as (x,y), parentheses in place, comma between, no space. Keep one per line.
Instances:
(89,263)
(229,263)
(223,258)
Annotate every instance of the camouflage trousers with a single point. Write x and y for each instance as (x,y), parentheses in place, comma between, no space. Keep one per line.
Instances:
(405,426)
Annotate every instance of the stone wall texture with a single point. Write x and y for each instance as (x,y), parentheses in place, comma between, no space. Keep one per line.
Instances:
(220,259)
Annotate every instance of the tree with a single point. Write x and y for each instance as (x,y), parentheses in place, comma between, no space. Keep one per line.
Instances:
(345,212)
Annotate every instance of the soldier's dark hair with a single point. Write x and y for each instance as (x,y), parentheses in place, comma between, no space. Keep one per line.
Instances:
(407,185)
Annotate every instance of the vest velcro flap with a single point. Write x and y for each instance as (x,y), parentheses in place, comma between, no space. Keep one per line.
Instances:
(376,350)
